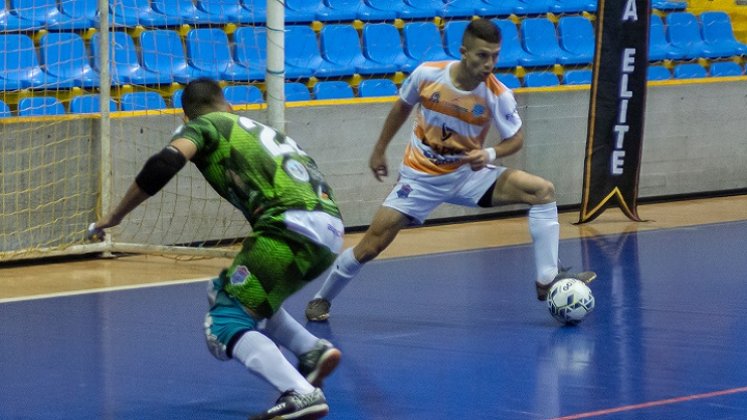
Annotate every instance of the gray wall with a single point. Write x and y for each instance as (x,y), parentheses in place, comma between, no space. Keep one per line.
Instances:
(694,142)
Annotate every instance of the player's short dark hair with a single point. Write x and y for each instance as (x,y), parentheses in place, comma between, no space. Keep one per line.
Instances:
(202,96)
(483,29)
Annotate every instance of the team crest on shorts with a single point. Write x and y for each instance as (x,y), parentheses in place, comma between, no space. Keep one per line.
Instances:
(239,275)
(404,191)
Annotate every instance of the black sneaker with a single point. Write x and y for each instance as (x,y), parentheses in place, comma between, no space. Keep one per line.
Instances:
(292,405)
(585,276)
(318,310)
(319,362)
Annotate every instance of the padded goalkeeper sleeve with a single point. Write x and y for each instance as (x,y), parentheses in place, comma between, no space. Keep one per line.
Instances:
(159,169)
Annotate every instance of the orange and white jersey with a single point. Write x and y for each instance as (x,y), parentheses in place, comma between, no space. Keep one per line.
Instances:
(451,121)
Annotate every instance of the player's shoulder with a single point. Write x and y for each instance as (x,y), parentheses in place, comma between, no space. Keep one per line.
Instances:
(495,86)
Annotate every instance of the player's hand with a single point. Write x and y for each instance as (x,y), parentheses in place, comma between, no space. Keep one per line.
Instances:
(95,234)
(378,166)
(477,159)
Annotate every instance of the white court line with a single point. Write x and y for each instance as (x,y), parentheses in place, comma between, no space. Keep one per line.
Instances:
(102,290)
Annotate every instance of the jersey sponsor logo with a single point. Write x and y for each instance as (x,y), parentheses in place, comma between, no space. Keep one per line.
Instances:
(478,110)
(435,97)
(513,114)
(239,275)
(296,170)
(404,191)
(446,132)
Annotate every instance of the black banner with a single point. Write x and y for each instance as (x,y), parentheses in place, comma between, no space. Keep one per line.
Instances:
(618,98)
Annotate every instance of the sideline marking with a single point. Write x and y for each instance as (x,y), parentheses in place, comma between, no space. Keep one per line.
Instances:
(653,404)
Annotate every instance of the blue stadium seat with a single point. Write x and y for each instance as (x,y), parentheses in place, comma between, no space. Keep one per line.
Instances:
(540,40)
(533,7)
(4,110)
(303,58)
(718,34)
(689,71)
(130,13)
(10,21)
(89,104)
(47,13)
(450,9)
(577,77)
(184,11)
(340,45)
(683,31)
(162,52)
(301,11)
(574,6)
(83,13)
(377,87)
(509,80)
(409,12)
(124,66)
(176,98)
(498,7)
(333,89)
(668,6)
(21,68)
(338,10)
(142,101)
(726,68)
(381,10)
(250,50)
(225,11)
(453,33)
(658,72)
(64,57)
(295,91)
(659,47)
(382,43)
(576,36)
(540,79)
(512,53)
(257,9)
(243,94)
(40,105)
(422,42)
(209,51)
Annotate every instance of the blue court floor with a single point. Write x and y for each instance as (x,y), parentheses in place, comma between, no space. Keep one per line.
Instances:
(448,336)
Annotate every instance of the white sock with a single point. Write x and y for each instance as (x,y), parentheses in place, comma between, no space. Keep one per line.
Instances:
(345,268)
(263,358)
(545,231)
(287,332)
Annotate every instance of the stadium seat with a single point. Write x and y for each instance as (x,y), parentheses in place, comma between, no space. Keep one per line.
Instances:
(377,87)
(333,89)
(250,50)
(131,13)
(533,7)
(408,12)
(509,80)
(257,10)
(668,6)
(295,91)
(449,9)
(303,58)
(540,79)
(576,35)
(511,50)
(83,13)
(21,68)
(378,10)
(573,6)
(659,47)
(47,13)
(176,98)
(453,33)
(689,71)
(10,22)
(726,68)
(338,10)
(124,66)
(162,52)
(209,51)
(422,42)
(4,110)
(225,11)
(341,46)
(382,44)
(301,11)
(64,57)
(243,94)
(40,105)
(497,8)
(184,11)
(658,72)
(89,104)
(717,32)
(577,77)
(142,101)
(540,40)
(683,31)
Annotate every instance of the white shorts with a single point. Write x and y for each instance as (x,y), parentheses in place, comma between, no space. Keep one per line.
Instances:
(417,194)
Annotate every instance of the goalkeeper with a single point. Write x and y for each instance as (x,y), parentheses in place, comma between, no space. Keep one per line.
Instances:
(296,234)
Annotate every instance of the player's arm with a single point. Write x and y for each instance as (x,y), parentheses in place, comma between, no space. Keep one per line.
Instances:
(397,116)
(155,174)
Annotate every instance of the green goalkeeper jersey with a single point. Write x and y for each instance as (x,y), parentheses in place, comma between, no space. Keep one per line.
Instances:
(257,169)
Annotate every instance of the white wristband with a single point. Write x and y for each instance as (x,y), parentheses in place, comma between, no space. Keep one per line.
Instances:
(491,154)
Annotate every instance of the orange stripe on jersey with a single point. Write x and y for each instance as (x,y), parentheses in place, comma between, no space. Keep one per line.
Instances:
(495,85)
(453,111)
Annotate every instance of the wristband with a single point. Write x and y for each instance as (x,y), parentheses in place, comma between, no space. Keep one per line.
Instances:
(492,156)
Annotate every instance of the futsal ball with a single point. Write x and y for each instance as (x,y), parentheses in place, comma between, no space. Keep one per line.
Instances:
(569,301)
